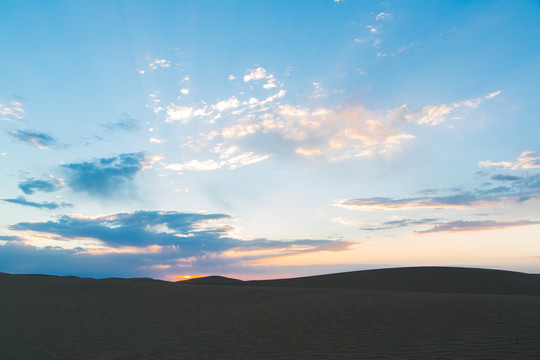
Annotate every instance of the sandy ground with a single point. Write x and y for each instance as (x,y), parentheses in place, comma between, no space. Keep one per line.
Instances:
(44,317)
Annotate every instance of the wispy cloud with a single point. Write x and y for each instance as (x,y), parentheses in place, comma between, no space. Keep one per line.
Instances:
(526,160)
(502,177)
(11,110)
(476,225)
(385,225)
(159,63)
(104,177)
(34,138)
(383,16)
(230,163)
(461,200)
(126,122)
(515,190)
(20,200)
(29,186)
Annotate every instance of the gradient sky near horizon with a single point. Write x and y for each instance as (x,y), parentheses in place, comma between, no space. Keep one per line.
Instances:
(265,139)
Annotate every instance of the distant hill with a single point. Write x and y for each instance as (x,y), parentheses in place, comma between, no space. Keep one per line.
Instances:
(421,279)
(211,280)
(412,279)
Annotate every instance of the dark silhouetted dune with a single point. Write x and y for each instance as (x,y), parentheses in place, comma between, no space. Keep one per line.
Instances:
(211,280)
(420,279)
(322,317)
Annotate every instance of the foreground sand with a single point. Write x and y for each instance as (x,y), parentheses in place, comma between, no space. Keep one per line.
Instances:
(45,317)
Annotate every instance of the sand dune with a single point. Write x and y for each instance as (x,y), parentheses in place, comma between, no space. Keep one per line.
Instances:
(48,317)
(420,279)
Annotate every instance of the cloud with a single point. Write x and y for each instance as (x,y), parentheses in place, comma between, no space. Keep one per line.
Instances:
(473,225)
(261,74)
(155,140)
(518,189)
(526,160)
(159,63)
(257,74)
(383,16)
(195,165)
(392,224)
(29,186)
(45,205)
(126,122)
(140,240)
(308,151)
(232,163)
(231,103)
(493,94)
(460,200)
(501,177)
(184,113)
(104,177)
(11,110)
(34,138)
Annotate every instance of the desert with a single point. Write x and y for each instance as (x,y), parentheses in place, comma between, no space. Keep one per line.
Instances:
(337,316)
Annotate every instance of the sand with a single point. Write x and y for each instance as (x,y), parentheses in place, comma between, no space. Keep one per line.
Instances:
(45,317)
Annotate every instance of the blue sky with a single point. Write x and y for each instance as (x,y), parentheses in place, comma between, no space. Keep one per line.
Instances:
(261,139)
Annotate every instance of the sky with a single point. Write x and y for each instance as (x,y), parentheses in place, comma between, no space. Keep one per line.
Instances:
(268,139)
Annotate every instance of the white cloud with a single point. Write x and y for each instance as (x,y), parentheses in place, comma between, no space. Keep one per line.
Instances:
(179,113)
(11,110)
(493,94)
(154,140)
(3,154)
(184,91)
(308,151)
(526,160)
(270,84)
(383,16)
(232,163)
(318,91)
(195,165)
(240,130)
(230,103)
(434,115)
(232,77)
(244,159)
(159,63)
(257,74)
(225,153)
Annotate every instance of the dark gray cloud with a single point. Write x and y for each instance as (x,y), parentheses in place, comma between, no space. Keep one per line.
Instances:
(34,138)
(476,225)
(501,177)
(185,240)
(104,177)
(30,186)
(20,200)
(398,223)
(126,123)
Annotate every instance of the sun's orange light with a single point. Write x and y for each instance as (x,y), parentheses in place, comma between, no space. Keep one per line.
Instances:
(187,277)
